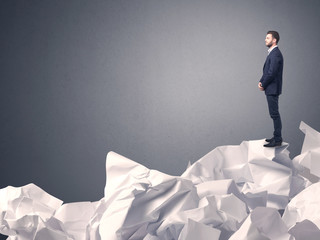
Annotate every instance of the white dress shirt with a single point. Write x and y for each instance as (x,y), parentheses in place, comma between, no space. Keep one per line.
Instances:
(270,49)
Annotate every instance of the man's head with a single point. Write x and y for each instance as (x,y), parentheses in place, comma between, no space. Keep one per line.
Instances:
(272,38)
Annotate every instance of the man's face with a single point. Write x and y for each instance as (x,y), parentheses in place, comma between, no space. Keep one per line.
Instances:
(270,40)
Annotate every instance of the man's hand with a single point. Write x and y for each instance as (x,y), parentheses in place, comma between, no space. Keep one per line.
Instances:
(260,86)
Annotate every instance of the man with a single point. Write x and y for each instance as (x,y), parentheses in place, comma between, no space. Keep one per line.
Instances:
(271,84)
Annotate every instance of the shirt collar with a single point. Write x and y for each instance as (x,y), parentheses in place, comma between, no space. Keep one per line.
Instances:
(270,49)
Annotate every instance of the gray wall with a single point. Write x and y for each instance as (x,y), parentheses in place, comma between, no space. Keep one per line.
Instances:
(161,82)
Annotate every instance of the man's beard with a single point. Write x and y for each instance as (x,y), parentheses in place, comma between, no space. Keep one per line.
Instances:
(269,45)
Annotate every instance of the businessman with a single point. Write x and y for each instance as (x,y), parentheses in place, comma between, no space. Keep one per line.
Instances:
(271,84)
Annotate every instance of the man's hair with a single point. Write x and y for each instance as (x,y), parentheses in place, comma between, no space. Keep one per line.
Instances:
(275,35)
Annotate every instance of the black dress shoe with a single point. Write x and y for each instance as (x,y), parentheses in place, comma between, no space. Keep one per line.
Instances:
(269,139)
(273,144)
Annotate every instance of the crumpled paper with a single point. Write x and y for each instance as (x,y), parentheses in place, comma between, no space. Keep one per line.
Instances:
(26,210)
(304,206)
(233,192)
(263,224)
(305,230)
(260,173)
(310,153)
(194,230)
(139,200)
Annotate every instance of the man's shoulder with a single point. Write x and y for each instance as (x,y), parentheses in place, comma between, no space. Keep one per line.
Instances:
(275,52)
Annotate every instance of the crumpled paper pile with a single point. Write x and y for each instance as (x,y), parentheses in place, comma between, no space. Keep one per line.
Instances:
(233,192)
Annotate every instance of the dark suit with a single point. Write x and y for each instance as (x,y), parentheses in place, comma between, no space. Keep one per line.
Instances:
(271,81)
(272,73)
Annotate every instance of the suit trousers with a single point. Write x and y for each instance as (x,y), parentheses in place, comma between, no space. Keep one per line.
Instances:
(273,105)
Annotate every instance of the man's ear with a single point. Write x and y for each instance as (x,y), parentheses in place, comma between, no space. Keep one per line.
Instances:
(274,40)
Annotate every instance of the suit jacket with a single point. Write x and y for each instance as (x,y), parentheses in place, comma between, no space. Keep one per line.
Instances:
(271,79)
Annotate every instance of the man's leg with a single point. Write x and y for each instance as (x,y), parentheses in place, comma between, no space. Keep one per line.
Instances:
(273,105)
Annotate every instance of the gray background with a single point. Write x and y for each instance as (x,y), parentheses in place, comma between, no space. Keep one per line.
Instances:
(161,82)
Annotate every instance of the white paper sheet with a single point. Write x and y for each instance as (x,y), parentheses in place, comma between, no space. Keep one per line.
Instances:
(25,210)
(195,230)
(306,205)
(139,200)
(262,223)
(310,153)
(305,230)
